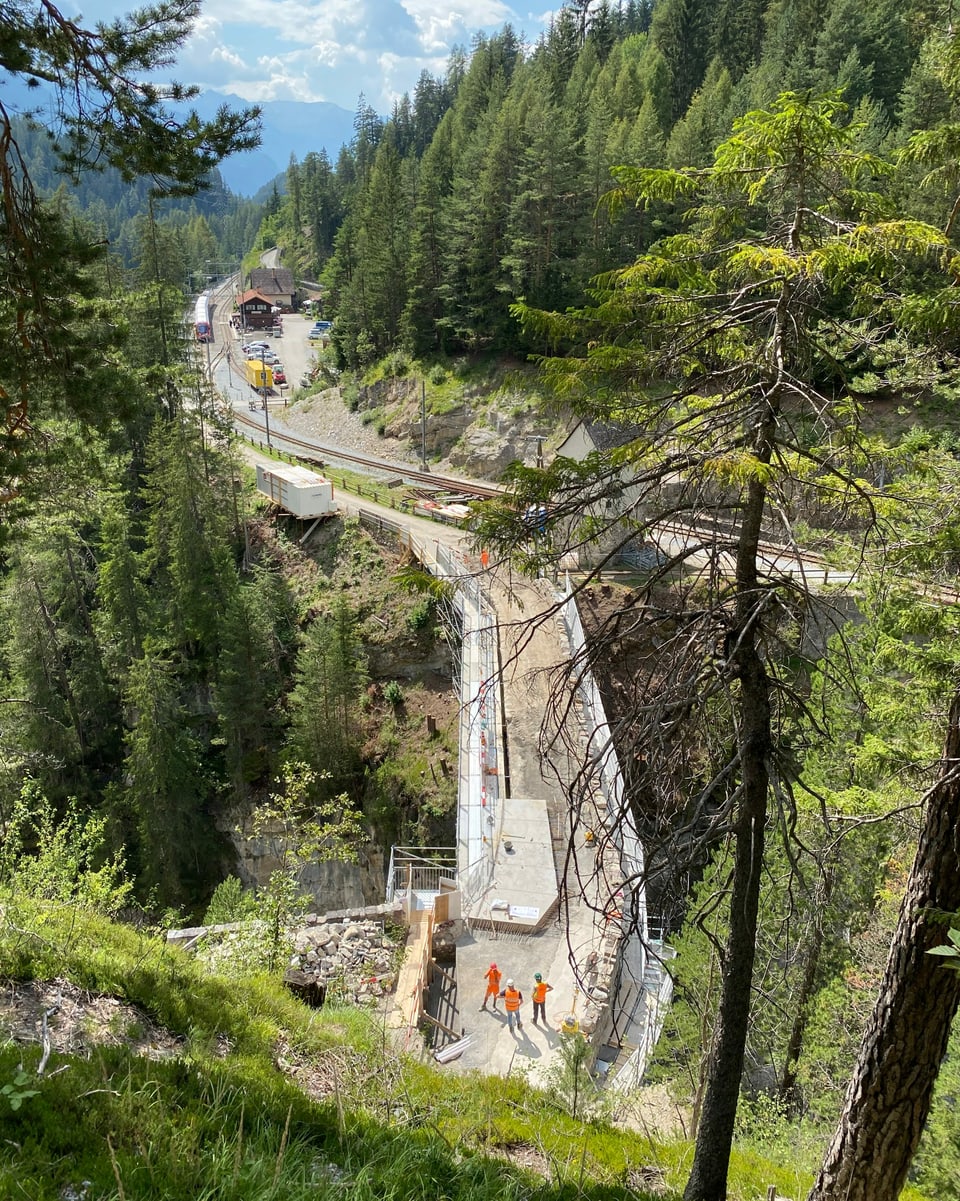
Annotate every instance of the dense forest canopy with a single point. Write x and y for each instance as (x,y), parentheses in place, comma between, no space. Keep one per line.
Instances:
(161,671)
(487,184)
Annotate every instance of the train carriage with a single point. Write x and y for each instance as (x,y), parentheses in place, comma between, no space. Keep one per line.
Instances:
(202,328)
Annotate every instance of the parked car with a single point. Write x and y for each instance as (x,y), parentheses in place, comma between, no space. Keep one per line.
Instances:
(279,375)
(255,346)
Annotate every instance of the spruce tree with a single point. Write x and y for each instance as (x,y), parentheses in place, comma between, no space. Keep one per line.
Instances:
(324,702)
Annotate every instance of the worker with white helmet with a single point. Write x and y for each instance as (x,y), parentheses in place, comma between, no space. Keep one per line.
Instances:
(512,1000)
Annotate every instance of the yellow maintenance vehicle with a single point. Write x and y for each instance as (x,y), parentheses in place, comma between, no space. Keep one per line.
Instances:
(259,374)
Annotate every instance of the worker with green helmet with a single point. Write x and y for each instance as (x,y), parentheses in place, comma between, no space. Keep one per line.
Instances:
(540,990)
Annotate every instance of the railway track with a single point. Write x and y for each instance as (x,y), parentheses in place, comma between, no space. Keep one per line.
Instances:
(317,453)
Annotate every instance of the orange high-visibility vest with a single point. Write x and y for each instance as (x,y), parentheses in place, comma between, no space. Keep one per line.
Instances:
(512,998)
(493,981)
(540,992)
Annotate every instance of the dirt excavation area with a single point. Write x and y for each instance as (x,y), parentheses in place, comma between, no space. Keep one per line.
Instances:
(70,1021)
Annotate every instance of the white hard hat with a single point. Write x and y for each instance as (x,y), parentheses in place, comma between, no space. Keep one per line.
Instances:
(509,984)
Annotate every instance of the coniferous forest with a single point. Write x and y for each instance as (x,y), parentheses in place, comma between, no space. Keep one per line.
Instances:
(727,232)
(489,184)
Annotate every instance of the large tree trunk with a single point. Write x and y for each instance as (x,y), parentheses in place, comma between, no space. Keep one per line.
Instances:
(889,1095)
(708,1175)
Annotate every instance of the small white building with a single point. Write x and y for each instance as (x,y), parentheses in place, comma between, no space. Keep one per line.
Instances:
(298,490)
(614,515)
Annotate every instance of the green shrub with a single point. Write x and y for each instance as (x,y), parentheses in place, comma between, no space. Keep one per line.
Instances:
(230,903)
(438,373)
(422,614)
(393,693)
(350,393)
(397,364)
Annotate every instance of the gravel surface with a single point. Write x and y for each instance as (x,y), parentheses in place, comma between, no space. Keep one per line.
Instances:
(322,416)
(326,418)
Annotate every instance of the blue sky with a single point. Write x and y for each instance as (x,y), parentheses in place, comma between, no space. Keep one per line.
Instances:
(326,49)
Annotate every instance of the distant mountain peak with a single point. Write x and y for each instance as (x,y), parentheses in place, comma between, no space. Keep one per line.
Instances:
(296,127)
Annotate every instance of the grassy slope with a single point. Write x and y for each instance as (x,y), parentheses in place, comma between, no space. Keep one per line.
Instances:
(226,1118)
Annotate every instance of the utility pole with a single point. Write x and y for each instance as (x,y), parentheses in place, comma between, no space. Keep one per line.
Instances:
(539,439)
(423,425)
(266,409)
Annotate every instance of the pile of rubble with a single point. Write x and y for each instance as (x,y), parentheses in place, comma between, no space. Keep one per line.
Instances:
(355,958)
(346,953)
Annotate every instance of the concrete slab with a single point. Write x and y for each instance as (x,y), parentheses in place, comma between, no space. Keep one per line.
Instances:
(523,892)
(493,1049)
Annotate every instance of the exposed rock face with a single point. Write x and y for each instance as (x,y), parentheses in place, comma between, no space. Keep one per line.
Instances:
(387,662)
(482,451)
(467,438)
(504,436)
(387,391)
(443,430)
(332,884)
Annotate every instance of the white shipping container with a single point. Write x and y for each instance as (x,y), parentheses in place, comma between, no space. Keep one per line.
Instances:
(301,492)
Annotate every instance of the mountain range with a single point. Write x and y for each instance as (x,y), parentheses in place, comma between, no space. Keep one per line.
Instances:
(289,127)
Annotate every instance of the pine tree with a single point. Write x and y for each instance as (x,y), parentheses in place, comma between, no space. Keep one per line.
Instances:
(430,102)
(324,702)
(250,679)
(545,210)
(420,323)
(187,556)
(681,31)
(708,118)
(165,795)
(471,273)
(738,29)
(66,721)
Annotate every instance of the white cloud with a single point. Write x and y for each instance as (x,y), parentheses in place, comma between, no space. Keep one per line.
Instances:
(482,14)
(325,49)
(223,54)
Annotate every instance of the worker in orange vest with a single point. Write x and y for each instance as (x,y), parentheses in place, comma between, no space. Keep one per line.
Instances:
(492,977)
(540,990)
(512,1000)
